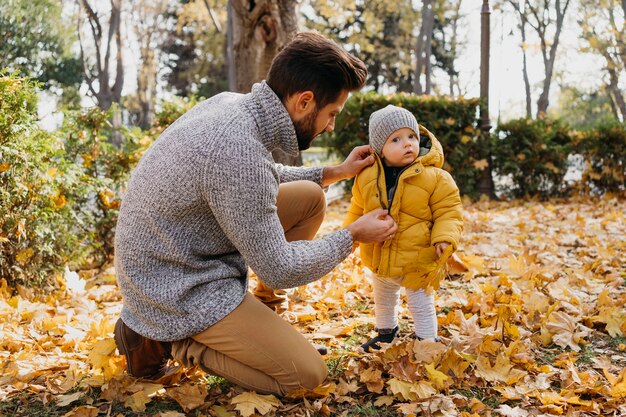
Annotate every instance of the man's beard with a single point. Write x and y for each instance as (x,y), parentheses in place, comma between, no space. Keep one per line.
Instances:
(305,130)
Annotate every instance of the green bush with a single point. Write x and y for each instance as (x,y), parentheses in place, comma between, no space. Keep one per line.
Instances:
(603,149)
(35,218)
(453,121)
(534,155)
(103,169)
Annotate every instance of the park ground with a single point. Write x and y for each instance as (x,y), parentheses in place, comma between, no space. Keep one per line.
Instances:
(532,322)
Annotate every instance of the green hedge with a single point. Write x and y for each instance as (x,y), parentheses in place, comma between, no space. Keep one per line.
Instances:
(533,154)
(453,121)
(603,149)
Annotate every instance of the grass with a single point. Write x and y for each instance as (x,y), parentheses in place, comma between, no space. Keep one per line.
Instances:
(493,401)
(587,355)
(369,410)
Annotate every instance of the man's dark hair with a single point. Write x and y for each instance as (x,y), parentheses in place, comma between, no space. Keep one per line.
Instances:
(313,62)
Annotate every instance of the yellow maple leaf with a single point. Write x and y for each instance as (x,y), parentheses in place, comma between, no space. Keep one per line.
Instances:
(101,352)
(438,378)
(137,402)
(614,318)
(67,399)
(83,411)
(501,371)
(427,270)
(428,351)
(565,330)
(248,402)
(373,379)
(402,389)
(454,362)
(220,411)
(423,389)
(188,396)
(618,384)
(4,166)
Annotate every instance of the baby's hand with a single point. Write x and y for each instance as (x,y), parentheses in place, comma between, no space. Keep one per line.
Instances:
(441,246)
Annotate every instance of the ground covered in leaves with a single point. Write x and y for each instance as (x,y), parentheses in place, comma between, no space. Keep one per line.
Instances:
(534,326)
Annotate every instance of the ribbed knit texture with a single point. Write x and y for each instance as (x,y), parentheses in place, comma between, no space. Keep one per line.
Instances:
(200,208)
(387,303)
(387,120)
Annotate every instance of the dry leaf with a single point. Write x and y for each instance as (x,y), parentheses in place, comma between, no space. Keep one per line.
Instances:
(250,402)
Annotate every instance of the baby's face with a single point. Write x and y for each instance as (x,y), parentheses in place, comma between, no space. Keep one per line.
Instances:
(401,147)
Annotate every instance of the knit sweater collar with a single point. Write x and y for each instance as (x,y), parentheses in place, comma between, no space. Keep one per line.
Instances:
(275,124)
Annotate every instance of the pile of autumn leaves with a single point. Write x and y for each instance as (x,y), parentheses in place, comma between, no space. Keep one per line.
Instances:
(532,324)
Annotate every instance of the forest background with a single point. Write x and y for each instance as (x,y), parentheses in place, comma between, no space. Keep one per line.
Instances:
(87,86)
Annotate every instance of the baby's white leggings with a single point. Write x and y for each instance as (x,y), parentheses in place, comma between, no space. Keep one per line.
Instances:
(387,301)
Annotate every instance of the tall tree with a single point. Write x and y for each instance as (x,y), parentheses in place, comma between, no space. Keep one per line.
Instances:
(148,17)
(102,56)
(604,30)
(521,12)
(259,30)
(446,42)
(423,49)
(546,19)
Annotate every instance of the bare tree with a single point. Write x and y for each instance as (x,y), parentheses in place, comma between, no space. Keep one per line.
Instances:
(604,29)
(423,49)
(107,65)
(259,30)
(521,11)
(539,17)
(148,20)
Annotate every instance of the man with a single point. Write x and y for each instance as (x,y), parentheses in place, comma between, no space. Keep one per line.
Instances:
(207,201)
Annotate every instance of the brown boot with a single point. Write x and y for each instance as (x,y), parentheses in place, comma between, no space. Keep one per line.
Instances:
(145,358)
(274,299)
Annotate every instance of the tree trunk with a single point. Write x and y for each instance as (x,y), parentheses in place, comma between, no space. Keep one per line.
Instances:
(421,47)
(98,68)
(529,113)
(148,21)
(617,95)
(259,30)
(428,51)
(548,52)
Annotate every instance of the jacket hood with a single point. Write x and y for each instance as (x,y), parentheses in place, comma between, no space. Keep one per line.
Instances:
(431,151)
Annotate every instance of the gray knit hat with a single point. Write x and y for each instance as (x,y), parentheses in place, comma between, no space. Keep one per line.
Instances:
(385,121)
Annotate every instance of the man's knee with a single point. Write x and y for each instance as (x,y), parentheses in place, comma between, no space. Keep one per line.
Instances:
(314,195)
(313,373)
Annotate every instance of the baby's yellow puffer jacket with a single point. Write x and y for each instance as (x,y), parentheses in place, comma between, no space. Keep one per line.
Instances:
(426,206)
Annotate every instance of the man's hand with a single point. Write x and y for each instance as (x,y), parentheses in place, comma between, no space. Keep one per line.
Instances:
(440,247)
(359,158)
(375,226)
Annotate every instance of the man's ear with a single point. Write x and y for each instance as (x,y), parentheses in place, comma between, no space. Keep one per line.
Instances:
(300,104)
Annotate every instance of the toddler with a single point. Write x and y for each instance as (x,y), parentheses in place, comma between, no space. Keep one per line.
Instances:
(423,199)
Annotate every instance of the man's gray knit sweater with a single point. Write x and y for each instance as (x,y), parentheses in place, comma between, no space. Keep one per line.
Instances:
(200,208)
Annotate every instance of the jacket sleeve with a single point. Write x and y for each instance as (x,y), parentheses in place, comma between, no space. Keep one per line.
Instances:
(445,204)
(356,205)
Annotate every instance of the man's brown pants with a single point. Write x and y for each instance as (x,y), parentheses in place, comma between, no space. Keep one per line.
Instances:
(253,346)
